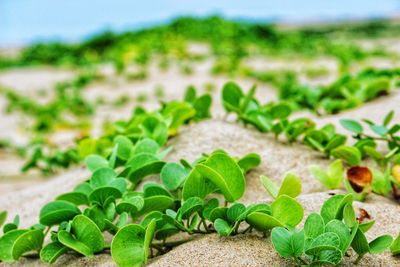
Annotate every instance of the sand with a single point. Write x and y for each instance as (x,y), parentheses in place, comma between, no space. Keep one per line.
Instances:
(278,158)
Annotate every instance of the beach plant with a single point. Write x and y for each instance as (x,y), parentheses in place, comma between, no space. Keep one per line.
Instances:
(284,211)
(327,236)
(140,222)
(332,177)
(395,247)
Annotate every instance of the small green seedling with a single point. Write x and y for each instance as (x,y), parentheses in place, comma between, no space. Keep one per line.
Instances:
(349,154)
(327,236)
(218,172)
(291,186)
(332,177)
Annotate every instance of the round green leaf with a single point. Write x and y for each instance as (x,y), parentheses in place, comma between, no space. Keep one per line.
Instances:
(102,177)
(222,227)
(76,198)
(7,242)
(190,206)
(314,225)
(69,241)
(291,186)
(128,247)
(31,240)
(287,211)
(57,212)
(94,162)
(173,175)
(223,172)
(125,147)
(326,241)
(380,244)
(52,251)
(131,205)
(87,232)
(351,125)
(262,221)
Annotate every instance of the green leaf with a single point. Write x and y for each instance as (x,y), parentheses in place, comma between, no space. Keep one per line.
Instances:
(102,194)
(202,106)
(287,210)
(190,94)
(351,125)
(222,227)
(190,206)
(6,244)
(314,225)
(364,227)
(349,215)
(156,203)
(395,247)
(286,243)
(209,207)
(69,241)
(379,130)
(76,198)
(291,186)
(3,217)
(349,154)
(142,165)
(248,162)
(360,243)
(125,147)
(219,212)
(333,207)
(388,118)
(52,251)
(326,241)
(262,221)
(332,257)
(86,231)
(31,240)
(380,244)
(154,189)
(146,145)
(282,241)
(332,177)
(173,175)
(102,177)
(222,171)
(235,212)
(94,162)
(271,188)
(339,228)
(131,205)
(231,97)
(131,244)
(57,212)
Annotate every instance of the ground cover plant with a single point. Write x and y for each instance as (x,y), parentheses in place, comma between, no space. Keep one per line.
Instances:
(141,221)
(137,205)
(275,118)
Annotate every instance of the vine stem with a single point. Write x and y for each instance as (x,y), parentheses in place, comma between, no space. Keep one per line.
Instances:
(358,259)
(205,225)
(47,231)
(172,243)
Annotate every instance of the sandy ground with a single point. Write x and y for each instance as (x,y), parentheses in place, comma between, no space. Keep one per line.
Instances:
(25,197)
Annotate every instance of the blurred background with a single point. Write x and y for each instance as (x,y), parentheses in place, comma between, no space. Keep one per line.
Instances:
(26,21)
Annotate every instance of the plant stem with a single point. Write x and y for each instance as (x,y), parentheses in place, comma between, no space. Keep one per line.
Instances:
(358,259)
(246,230)
(171,243)
(47,231)
(205,225)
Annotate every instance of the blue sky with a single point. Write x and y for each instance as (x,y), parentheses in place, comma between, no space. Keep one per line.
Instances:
(23,21)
